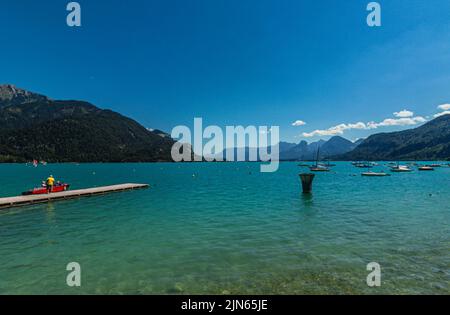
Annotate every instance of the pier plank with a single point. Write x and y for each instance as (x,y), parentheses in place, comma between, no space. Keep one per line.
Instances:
(18,201)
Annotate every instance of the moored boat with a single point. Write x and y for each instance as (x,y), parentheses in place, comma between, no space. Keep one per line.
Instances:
(401,169)
(43,190)
(363,165)
(375,174)
(319,168)
(426,168)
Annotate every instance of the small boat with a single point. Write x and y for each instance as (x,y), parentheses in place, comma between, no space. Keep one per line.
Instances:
(364,165)
(319,168)
(435,165)
(426,168)
(370,173)
(43,190)
(374,174)
(400,169)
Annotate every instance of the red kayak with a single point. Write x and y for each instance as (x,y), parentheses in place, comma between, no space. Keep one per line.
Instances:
(43,190)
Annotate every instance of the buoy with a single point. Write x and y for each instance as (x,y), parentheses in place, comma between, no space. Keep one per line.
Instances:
(307,180)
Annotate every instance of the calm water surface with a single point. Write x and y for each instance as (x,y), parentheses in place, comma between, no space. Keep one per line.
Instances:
(226,228)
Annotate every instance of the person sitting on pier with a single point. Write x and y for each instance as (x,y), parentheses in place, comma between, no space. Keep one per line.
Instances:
(50,182)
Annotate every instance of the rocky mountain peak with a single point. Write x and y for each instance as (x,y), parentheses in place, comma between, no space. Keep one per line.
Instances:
(12,95)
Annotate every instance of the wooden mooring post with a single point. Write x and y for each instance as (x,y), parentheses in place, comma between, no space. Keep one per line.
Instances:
(307,181)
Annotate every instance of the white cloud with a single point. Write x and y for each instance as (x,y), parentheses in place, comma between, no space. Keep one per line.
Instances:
(298,123)
(397,122)
(445,112)
(404,114)
(336,130)
(444,107)
(339,129)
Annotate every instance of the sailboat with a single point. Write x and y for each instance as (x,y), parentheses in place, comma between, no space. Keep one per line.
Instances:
(319,167)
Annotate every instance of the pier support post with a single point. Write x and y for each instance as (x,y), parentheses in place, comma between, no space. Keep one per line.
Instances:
(307,180)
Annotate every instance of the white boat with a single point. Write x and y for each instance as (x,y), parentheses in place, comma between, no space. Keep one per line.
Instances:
(401,169)
(374,174)
(319,167)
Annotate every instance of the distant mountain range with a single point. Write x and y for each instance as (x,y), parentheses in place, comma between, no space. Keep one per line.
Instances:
(298,152)
(33,126)
(430,141)
(326,149)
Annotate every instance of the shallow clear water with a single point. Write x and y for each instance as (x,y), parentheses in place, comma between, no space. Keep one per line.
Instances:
(227,228)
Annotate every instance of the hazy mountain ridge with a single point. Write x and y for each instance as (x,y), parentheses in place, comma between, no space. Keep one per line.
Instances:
(303,151)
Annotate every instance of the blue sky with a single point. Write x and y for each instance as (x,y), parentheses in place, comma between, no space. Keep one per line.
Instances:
(237,62)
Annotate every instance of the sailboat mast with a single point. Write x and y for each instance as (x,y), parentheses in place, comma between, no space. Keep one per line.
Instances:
(317,159)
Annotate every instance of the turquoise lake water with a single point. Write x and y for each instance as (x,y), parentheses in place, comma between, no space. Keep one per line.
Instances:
(226,228)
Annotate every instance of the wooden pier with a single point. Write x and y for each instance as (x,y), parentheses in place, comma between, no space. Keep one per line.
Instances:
(70,194)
